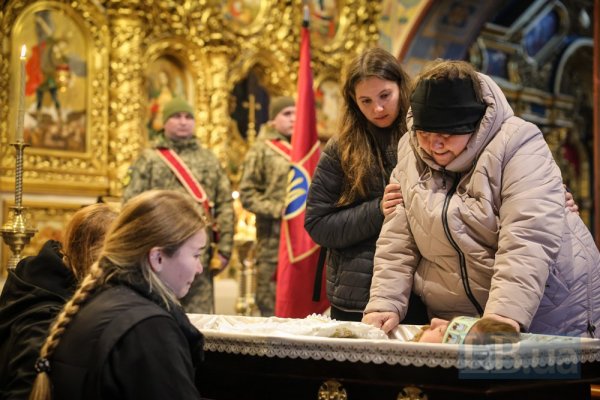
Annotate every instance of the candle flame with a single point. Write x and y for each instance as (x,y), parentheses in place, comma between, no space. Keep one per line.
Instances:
(23,52)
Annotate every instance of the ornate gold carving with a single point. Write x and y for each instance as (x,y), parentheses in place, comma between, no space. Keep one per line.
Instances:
(254,27)
(219,105)
(125,125)
(124,36)
(218,53)
(411,393)
(332,390)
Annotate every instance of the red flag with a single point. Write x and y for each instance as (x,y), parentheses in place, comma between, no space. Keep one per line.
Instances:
(298,254)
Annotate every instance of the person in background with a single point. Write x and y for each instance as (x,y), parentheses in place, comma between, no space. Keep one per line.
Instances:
(349,194)
(263,188)
(36,290)
(123,334)
(483,230)
(177,161)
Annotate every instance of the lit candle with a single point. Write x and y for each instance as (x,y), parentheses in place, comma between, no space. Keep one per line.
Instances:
(21,109)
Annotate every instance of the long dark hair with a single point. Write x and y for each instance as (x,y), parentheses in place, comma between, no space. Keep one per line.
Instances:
(357,156)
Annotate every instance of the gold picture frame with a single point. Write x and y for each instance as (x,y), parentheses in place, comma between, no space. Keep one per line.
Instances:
(67,97)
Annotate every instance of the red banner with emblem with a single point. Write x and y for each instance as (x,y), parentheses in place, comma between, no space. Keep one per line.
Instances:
(298,254)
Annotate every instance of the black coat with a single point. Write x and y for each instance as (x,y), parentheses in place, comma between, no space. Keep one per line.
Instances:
(349,233)
(124,344)
(33,295)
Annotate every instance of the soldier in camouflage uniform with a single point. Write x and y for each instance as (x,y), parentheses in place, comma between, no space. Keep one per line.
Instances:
(149,171)
(263,191)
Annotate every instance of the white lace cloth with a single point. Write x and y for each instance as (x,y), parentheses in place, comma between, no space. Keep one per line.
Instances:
(313,325)
(320,338)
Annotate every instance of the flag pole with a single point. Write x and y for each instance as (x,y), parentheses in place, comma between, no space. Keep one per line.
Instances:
(298,253)
(305,19)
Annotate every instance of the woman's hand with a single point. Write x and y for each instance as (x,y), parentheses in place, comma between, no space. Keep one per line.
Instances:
(570,202)
(386,321)
(391,198)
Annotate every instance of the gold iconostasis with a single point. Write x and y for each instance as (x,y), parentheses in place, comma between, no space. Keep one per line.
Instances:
(98,72)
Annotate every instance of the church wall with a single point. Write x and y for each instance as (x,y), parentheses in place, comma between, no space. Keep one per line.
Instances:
(98,71)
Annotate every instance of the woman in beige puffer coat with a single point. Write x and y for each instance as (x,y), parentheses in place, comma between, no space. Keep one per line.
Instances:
(483,230)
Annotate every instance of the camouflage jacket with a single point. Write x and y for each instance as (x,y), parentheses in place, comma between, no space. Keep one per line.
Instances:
(149,171)
(263,190)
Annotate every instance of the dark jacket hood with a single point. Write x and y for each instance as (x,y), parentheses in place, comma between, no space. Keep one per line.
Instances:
(35,280)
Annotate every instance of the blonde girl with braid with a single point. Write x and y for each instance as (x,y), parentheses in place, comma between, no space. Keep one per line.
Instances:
(123,334)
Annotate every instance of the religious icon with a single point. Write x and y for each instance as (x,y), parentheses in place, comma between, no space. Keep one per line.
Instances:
(56,74)
(241,12)
(458,15)
(324,20)
(394,20)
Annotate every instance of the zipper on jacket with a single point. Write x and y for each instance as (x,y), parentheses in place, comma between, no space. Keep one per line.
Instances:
(461,257)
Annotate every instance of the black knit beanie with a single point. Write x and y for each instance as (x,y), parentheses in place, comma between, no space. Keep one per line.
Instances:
(446,106)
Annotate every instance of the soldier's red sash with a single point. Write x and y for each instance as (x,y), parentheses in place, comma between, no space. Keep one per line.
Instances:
(185,176)
(281,147)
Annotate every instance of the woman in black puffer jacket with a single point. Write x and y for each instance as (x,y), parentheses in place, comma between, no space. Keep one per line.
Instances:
(348,197)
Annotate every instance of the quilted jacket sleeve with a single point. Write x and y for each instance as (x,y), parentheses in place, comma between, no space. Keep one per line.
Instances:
(531,219)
